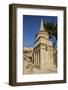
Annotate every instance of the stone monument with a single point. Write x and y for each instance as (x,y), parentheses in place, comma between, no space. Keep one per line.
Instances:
(43,50)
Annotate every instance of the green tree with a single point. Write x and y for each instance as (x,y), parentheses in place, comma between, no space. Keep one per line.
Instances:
(51,28)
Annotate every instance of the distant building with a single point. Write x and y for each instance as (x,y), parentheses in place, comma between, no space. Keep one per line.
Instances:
(43,52)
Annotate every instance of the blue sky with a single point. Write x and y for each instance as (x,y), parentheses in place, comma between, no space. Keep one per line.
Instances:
(32,25)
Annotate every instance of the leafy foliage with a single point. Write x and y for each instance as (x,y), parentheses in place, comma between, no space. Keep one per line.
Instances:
(51,28)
